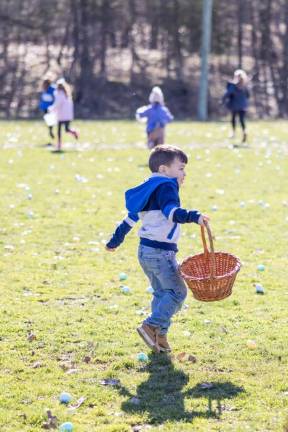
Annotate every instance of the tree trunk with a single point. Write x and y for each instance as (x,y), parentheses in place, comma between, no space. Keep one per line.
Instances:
(284,72)
(205,50)
(240,33)
(177,43)
(104,37)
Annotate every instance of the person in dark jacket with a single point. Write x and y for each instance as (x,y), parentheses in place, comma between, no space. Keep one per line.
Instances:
(236,100)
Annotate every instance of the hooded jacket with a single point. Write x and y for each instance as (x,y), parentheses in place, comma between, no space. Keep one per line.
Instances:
(157,116)
(47,98)
(236,97)
(156,202)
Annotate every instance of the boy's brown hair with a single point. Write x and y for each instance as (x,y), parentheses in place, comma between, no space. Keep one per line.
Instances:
(165,155)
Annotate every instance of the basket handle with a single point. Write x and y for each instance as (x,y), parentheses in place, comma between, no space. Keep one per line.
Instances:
(209,255)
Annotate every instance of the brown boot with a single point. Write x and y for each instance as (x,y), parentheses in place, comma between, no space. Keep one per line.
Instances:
(163,343)
(149,335)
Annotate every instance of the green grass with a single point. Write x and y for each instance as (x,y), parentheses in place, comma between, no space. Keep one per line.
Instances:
(58,282)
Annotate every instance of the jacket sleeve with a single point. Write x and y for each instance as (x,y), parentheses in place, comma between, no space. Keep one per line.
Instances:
(168,115)
(225,97)
(169,203)
(122,230)
(142,112)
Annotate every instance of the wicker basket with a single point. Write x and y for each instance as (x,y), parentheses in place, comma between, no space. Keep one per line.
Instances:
(210,275)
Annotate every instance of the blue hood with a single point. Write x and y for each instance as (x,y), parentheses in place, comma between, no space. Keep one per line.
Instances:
(138,197)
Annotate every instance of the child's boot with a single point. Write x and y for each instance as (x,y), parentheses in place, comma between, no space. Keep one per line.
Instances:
(163,343)
(149,335)
(244,139)
(75,134)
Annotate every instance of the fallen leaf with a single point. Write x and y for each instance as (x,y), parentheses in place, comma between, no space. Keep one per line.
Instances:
(79,402)
(72,371)
(134,400)
(31,337)
(52,422)
(110,381)
(181,356)
(206,385)
(36,365)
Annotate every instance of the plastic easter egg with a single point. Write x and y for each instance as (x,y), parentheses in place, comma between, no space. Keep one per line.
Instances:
(150,290)
(261,267)
(65,398)
(251,344)
(259,289)
(122,276)
(66,427)
(142,357)
(125,289)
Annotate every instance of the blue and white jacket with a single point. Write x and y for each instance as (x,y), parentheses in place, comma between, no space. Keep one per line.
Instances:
(156,202)
(157,116)
(47,98)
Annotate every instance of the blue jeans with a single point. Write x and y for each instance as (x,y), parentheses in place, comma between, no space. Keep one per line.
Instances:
(161,268)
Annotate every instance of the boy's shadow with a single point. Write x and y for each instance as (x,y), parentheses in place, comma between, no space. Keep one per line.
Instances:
(161,396)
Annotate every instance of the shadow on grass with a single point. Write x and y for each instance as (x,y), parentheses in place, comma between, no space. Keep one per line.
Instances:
(162,398)
(53,150)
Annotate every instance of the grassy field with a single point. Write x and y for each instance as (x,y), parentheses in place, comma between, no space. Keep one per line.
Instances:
(67,326)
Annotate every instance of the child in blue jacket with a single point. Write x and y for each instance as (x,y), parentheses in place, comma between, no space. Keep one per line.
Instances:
(236,100)
(47,99)
(157,116)
(156,202)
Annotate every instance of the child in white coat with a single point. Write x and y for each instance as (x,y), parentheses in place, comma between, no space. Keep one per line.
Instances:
(64,110)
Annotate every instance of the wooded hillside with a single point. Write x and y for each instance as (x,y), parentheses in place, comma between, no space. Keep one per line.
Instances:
(113,51)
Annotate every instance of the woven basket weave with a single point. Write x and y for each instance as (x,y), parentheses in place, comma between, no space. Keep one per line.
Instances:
(210,275)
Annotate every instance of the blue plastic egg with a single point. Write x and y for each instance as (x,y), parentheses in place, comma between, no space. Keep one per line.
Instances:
(125,289)
(66,427)
(142,357)
(65,398)
(261,267)
(122,276)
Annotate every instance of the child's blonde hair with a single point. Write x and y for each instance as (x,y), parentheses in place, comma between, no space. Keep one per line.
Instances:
(156,95)
(240,74)
(65,87)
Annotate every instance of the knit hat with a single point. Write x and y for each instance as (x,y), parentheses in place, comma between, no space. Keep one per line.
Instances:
(240,74)
(156,95)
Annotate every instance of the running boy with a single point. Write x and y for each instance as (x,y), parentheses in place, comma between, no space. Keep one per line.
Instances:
(156,202)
